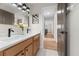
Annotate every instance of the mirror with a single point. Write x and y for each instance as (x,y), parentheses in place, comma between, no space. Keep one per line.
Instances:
(6,17)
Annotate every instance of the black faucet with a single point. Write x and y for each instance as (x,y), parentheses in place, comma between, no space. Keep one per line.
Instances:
(9,32)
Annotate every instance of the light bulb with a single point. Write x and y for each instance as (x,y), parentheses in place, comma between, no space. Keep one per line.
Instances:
(23,11)
(19,8)
(14,4)
(24,7)
(20,3)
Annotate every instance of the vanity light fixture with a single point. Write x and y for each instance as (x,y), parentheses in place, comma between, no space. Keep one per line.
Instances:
(22,6)
(60,11)
(19,3)
(19,7)
(23,11)
(28,9)
(14,4)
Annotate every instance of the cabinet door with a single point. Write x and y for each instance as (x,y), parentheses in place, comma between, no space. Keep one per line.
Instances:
(35,47)
(29,50)
(1,53)
(36,44)
(21,54)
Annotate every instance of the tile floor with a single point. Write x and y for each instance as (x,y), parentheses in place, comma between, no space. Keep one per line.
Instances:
(47,52)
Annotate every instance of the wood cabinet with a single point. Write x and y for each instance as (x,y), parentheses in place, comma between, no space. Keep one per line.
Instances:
(6,17)
(17,48)
(28,47)
(36,44)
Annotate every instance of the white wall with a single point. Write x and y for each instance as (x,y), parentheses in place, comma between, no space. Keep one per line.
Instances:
(34,27)
(41,17)
(73,33)
(55,26)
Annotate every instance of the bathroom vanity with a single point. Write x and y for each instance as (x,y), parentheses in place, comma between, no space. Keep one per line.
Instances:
(26,46)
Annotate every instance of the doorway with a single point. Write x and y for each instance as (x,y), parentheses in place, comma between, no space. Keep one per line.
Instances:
(49,39)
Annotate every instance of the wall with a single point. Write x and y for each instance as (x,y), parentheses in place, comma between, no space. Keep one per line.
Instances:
(73,31)
(41,17)
(55,26)
(34,27)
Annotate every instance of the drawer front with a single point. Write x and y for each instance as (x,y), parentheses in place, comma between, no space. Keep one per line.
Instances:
(36,44)
(17,48)
(1,53)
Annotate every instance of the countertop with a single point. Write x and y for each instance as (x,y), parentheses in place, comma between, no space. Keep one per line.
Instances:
(6,42)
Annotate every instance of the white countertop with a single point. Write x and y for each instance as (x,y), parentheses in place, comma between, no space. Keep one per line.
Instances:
(6,42)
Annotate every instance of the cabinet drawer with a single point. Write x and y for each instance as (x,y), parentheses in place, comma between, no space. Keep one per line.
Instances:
(17,48)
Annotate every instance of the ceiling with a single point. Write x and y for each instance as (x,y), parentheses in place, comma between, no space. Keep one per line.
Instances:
(47,9)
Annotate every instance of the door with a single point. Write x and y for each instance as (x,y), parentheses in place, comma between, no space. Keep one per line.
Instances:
(36,44)
(62,29)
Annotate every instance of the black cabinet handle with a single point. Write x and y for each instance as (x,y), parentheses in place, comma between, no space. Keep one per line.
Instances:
(63,32)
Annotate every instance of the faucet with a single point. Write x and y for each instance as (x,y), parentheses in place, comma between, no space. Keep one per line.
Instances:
(9,32)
